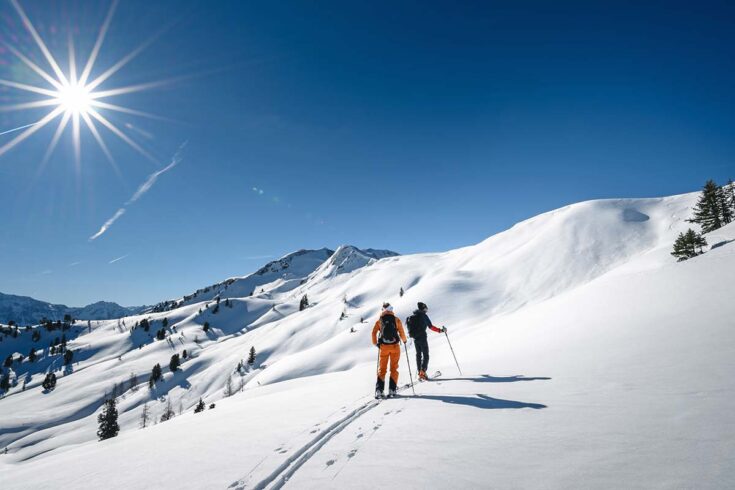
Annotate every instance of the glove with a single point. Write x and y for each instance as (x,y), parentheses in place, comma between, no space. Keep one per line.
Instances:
(444,329)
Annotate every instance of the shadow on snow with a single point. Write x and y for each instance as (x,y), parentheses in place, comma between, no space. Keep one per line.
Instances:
(486,378)
(480,401)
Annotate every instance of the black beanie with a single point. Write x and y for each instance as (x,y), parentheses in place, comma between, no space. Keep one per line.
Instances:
(422,306)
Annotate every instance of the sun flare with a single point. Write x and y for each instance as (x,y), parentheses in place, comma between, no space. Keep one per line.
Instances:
(75,99)
(74,96)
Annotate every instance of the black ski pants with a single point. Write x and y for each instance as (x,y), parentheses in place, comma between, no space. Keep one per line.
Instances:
(422,353)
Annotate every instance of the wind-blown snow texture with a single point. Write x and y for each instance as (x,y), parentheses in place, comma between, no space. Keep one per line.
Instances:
(591,359)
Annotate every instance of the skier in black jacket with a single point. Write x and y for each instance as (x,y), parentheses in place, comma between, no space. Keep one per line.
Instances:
(417,325)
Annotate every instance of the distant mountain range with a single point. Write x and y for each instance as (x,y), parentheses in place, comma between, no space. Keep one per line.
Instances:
(26,310)
(277,276)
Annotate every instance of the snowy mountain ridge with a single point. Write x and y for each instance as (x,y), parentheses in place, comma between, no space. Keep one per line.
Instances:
(25,310)
(575,331)
(278,276)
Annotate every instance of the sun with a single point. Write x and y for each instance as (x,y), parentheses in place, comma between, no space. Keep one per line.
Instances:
(75,99)
(72,95)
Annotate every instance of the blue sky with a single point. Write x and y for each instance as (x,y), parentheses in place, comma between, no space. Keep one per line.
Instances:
(412,126)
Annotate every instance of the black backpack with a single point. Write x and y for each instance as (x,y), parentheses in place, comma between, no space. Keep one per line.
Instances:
(388,329)
(414,326)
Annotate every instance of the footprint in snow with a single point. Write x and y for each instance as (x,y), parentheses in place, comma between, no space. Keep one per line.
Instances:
(352,453)
(314,431)
(360,435)
(331,462)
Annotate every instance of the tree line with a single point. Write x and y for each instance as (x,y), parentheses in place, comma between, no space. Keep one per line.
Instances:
(715,208)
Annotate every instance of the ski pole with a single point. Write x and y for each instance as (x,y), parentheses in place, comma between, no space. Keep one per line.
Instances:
(455,357)
(377,364)
(405,346)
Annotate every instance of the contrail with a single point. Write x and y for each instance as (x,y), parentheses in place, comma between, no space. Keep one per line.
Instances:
(118,259)
(144,187)
(108,223)
(18,128)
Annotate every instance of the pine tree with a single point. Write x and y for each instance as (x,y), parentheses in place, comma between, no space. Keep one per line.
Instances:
(688,245)
(681,251)
(168,412)
(200,406)
(251,356)
(32,355)
(68,356)
(303,303)
(184,354)
(155,375)
(108,420)
(228,387)
(144,416)
(8,361)
(698,241)
(49,382)
(730,195)
(206,327)
(400,293)
(708,210)
(724,196)
(5,382)
(173,365)
(164,322)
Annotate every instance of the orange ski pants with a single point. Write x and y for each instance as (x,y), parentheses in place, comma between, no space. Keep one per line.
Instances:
(392,353)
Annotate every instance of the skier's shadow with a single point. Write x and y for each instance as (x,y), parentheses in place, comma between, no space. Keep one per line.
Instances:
(486,378)
(480,401)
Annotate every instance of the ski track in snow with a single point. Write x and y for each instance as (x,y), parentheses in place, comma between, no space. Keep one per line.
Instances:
(283,473)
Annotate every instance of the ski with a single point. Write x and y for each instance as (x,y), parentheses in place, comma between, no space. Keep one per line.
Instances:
(381,396)
(432,377)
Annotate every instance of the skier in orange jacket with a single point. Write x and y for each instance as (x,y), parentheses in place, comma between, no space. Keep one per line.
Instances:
(391,333)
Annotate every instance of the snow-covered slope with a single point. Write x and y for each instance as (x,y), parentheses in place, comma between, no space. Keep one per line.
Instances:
(591,359)
(279,275)
(347,259)
(24,310)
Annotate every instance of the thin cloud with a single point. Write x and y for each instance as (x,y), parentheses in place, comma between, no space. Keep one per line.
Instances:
(108,224)
(144,187)
(74,264)
(118,259)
